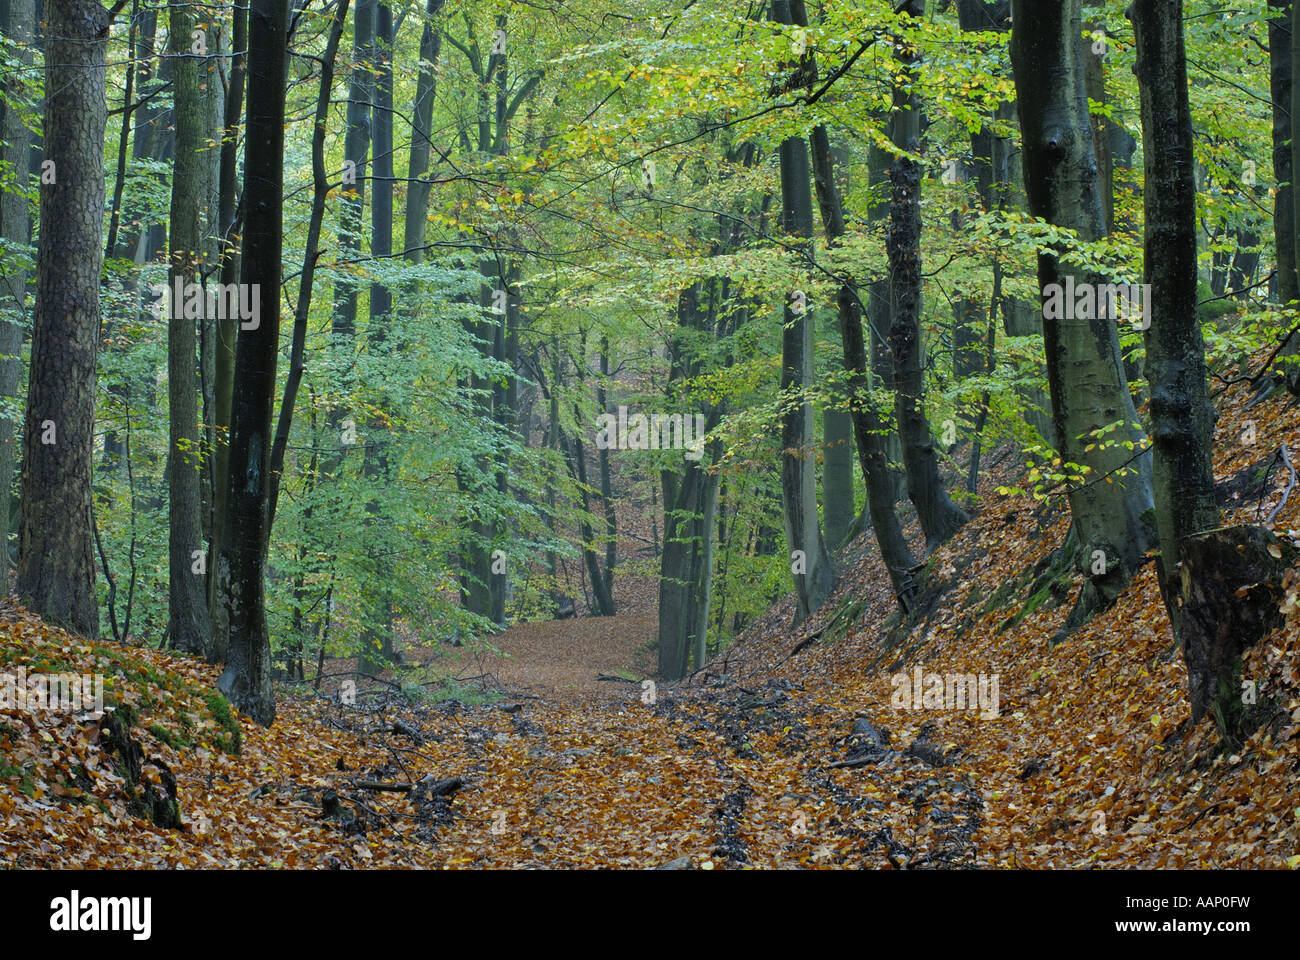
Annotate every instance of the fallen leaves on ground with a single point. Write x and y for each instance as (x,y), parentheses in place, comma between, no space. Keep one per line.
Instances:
(779,754)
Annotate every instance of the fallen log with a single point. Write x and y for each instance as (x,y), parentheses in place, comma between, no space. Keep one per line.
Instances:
(428,787)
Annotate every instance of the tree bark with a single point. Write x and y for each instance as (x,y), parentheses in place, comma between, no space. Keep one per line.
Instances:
(870,430)
(1292,348)
(1182,416)
(56,568)
(690,497)
(226,330)
(940,518)
(1229,590)
(1279,70)
(356,148)
(246,681)
(810,562)
(16,229)
(417,190)
(187,608)
(1221,587)
(1085,375)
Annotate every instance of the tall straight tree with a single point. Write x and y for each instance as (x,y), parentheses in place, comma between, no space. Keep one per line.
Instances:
(1220,586)
(426,84)
(246,681)
(1279,72)
(810,562)
(1292,348)
(188,620)
(226,331)
(690,493)
(356,147)
(1182,416)
(870,430)
(1111,511)
(15,229)
(56,570)
(378,641)
(381,138)
(940,518)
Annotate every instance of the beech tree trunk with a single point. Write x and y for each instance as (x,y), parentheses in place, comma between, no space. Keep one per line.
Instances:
(356,148)
(810,562)
(417,188)
(56,567)
(1182,416)
(187,608)
(1111,510)
(1279,72)
(1221,587)
(246,681)
(226,331)
(940,518)
(377,639)
(690,499)
(869,427)
(1229,589)
(1292,348)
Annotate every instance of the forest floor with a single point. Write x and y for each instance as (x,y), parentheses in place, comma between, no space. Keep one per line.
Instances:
(784,752)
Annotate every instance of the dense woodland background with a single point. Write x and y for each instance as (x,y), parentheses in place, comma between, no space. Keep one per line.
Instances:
(315,315)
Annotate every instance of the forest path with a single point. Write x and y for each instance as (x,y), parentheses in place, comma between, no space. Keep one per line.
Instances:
(562,656)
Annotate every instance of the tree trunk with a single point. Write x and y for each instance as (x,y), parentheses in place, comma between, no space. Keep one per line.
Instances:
(56,569)
(213,95)
(940,518)
(607,479)
(1279,68)
(1203,574)
(246,680)
(15,228)
(809,560)
(187,608)
(870,430)
(690,498)
(306,281)
(377,638)
(381,139)
(356,146)
(417,189)
(1182,416)
(1085,376)
(1292,348)
(881,373)
(226,330)
(686,567)
(1229,589)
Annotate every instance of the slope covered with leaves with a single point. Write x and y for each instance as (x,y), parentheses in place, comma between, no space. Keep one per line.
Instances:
(784,752)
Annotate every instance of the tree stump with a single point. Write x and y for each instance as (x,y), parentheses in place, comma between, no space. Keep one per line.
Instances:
(146,799)
(1231,588)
